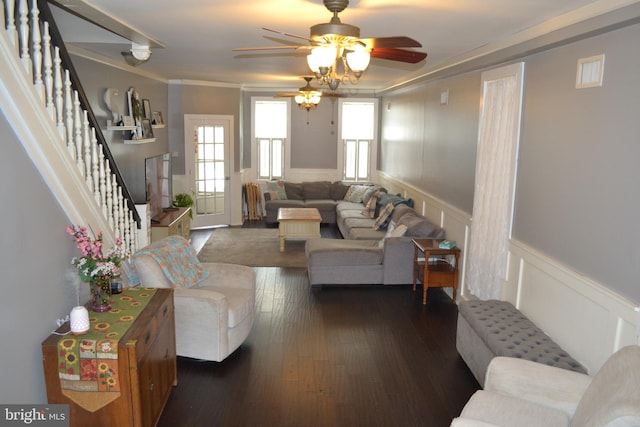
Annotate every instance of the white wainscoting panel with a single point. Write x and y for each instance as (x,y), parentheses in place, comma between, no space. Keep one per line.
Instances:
(456,222)
(585,318)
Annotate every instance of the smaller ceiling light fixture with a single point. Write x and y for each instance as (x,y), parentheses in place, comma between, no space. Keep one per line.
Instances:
(307,97)
(137,55)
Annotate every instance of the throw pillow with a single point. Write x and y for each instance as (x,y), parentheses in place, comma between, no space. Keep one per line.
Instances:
(384,218)
(276,190)
(373,190)
(355,193)
(370,210)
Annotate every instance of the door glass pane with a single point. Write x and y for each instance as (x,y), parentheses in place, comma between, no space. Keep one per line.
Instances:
(210,170)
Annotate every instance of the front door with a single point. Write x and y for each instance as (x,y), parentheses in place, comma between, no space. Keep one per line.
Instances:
(208,144)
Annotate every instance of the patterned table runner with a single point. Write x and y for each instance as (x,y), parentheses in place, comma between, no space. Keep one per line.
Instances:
(88,363)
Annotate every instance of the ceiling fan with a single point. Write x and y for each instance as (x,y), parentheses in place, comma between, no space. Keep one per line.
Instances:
(335,43)
(307,97)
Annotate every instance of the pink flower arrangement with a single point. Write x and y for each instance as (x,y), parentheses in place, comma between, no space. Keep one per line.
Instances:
(93,263)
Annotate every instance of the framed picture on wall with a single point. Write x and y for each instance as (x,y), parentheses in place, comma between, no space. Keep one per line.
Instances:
(146,109)
(147,130)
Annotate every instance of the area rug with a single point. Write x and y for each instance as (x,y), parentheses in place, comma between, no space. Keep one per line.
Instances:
(255,247)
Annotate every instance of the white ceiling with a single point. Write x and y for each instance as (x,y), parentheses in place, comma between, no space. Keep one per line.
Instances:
(198,35)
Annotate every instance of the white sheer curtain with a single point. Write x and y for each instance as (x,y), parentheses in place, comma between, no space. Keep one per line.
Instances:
(494,184)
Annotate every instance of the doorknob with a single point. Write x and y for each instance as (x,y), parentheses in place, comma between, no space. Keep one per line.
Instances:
(227,178)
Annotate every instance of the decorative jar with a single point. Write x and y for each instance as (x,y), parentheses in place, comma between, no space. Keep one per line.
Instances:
(101,294)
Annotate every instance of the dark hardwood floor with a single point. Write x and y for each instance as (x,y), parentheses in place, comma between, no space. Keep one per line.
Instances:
(372,356)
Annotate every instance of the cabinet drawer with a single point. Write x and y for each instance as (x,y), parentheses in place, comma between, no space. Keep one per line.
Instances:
(150,331)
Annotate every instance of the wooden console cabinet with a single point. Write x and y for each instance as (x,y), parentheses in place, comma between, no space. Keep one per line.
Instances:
(147,366)
(171,223)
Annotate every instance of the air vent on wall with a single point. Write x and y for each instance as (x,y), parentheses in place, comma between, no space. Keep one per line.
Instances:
(590,71)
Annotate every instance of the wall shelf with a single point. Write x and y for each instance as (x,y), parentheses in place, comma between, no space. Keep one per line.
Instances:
(112,127)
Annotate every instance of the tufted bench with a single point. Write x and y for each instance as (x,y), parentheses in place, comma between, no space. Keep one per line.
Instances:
(496,328)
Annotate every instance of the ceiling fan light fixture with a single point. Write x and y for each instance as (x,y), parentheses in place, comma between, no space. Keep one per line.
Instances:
(358,61)
(324,56)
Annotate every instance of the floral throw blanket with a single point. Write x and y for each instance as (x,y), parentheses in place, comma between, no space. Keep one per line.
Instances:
(178,260)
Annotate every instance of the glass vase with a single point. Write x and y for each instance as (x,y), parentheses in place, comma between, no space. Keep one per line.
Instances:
(100,294)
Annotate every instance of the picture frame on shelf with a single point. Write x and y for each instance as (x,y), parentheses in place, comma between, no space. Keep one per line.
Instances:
(146,109)
(157,118)
(131,94)
(128,121)
(147,130)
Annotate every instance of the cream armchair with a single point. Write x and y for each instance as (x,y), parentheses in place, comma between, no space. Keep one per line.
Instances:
(215,315)
(523,393)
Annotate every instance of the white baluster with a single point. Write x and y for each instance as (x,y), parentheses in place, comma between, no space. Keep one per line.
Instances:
(95,168)
(126,238)
(77,127)
(12,31)
(48,72)
(68,111)
(116,205)
(23,32)
(109,192)
(86,145)
(133,232)
(2,18)
(121,203)
(59,91)
(102,184)
(36,38)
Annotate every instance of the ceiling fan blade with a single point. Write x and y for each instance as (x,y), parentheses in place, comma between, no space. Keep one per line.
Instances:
(400,55)
(287,95)
(288,34)
(382,42)
(269,48)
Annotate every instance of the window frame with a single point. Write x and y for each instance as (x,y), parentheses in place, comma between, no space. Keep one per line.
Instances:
(286,146)
(373,144)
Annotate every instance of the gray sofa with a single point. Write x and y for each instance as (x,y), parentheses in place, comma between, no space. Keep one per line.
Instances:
(322,195)
(367,256)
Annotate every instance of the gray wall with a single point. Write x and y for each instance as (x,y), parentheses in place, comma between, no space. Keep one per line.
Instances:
(577,194)
(313,134)
(201,99)
(129,158)
(433,146)
(35,257)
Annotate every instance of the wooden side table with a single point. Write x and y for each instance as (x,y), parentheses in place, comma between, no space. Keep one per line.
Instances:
(147,370)
(434,271)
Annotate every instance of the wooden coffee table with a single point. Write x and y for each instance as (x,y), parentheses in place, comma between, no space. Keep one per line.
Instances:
(298,223)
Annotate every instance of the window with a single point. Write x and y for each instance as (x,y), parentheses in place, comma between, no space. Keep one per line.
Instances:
(358,124)
(271,124)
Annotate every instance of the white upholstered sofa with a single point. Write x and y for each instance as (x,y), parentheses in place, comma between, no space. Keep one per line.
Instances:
(523,393)
(214,309)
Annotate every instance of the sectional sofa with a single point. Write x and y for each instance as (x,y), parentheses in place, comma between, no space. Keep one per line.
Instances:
(322,195)
(374,250)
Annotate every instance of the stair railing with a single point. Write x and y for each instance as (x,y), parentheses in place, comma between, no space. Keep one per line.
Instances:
(43,100)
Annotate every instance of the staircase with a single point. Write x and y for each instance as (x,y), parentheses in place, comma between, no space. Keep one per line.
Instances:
(44,103)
